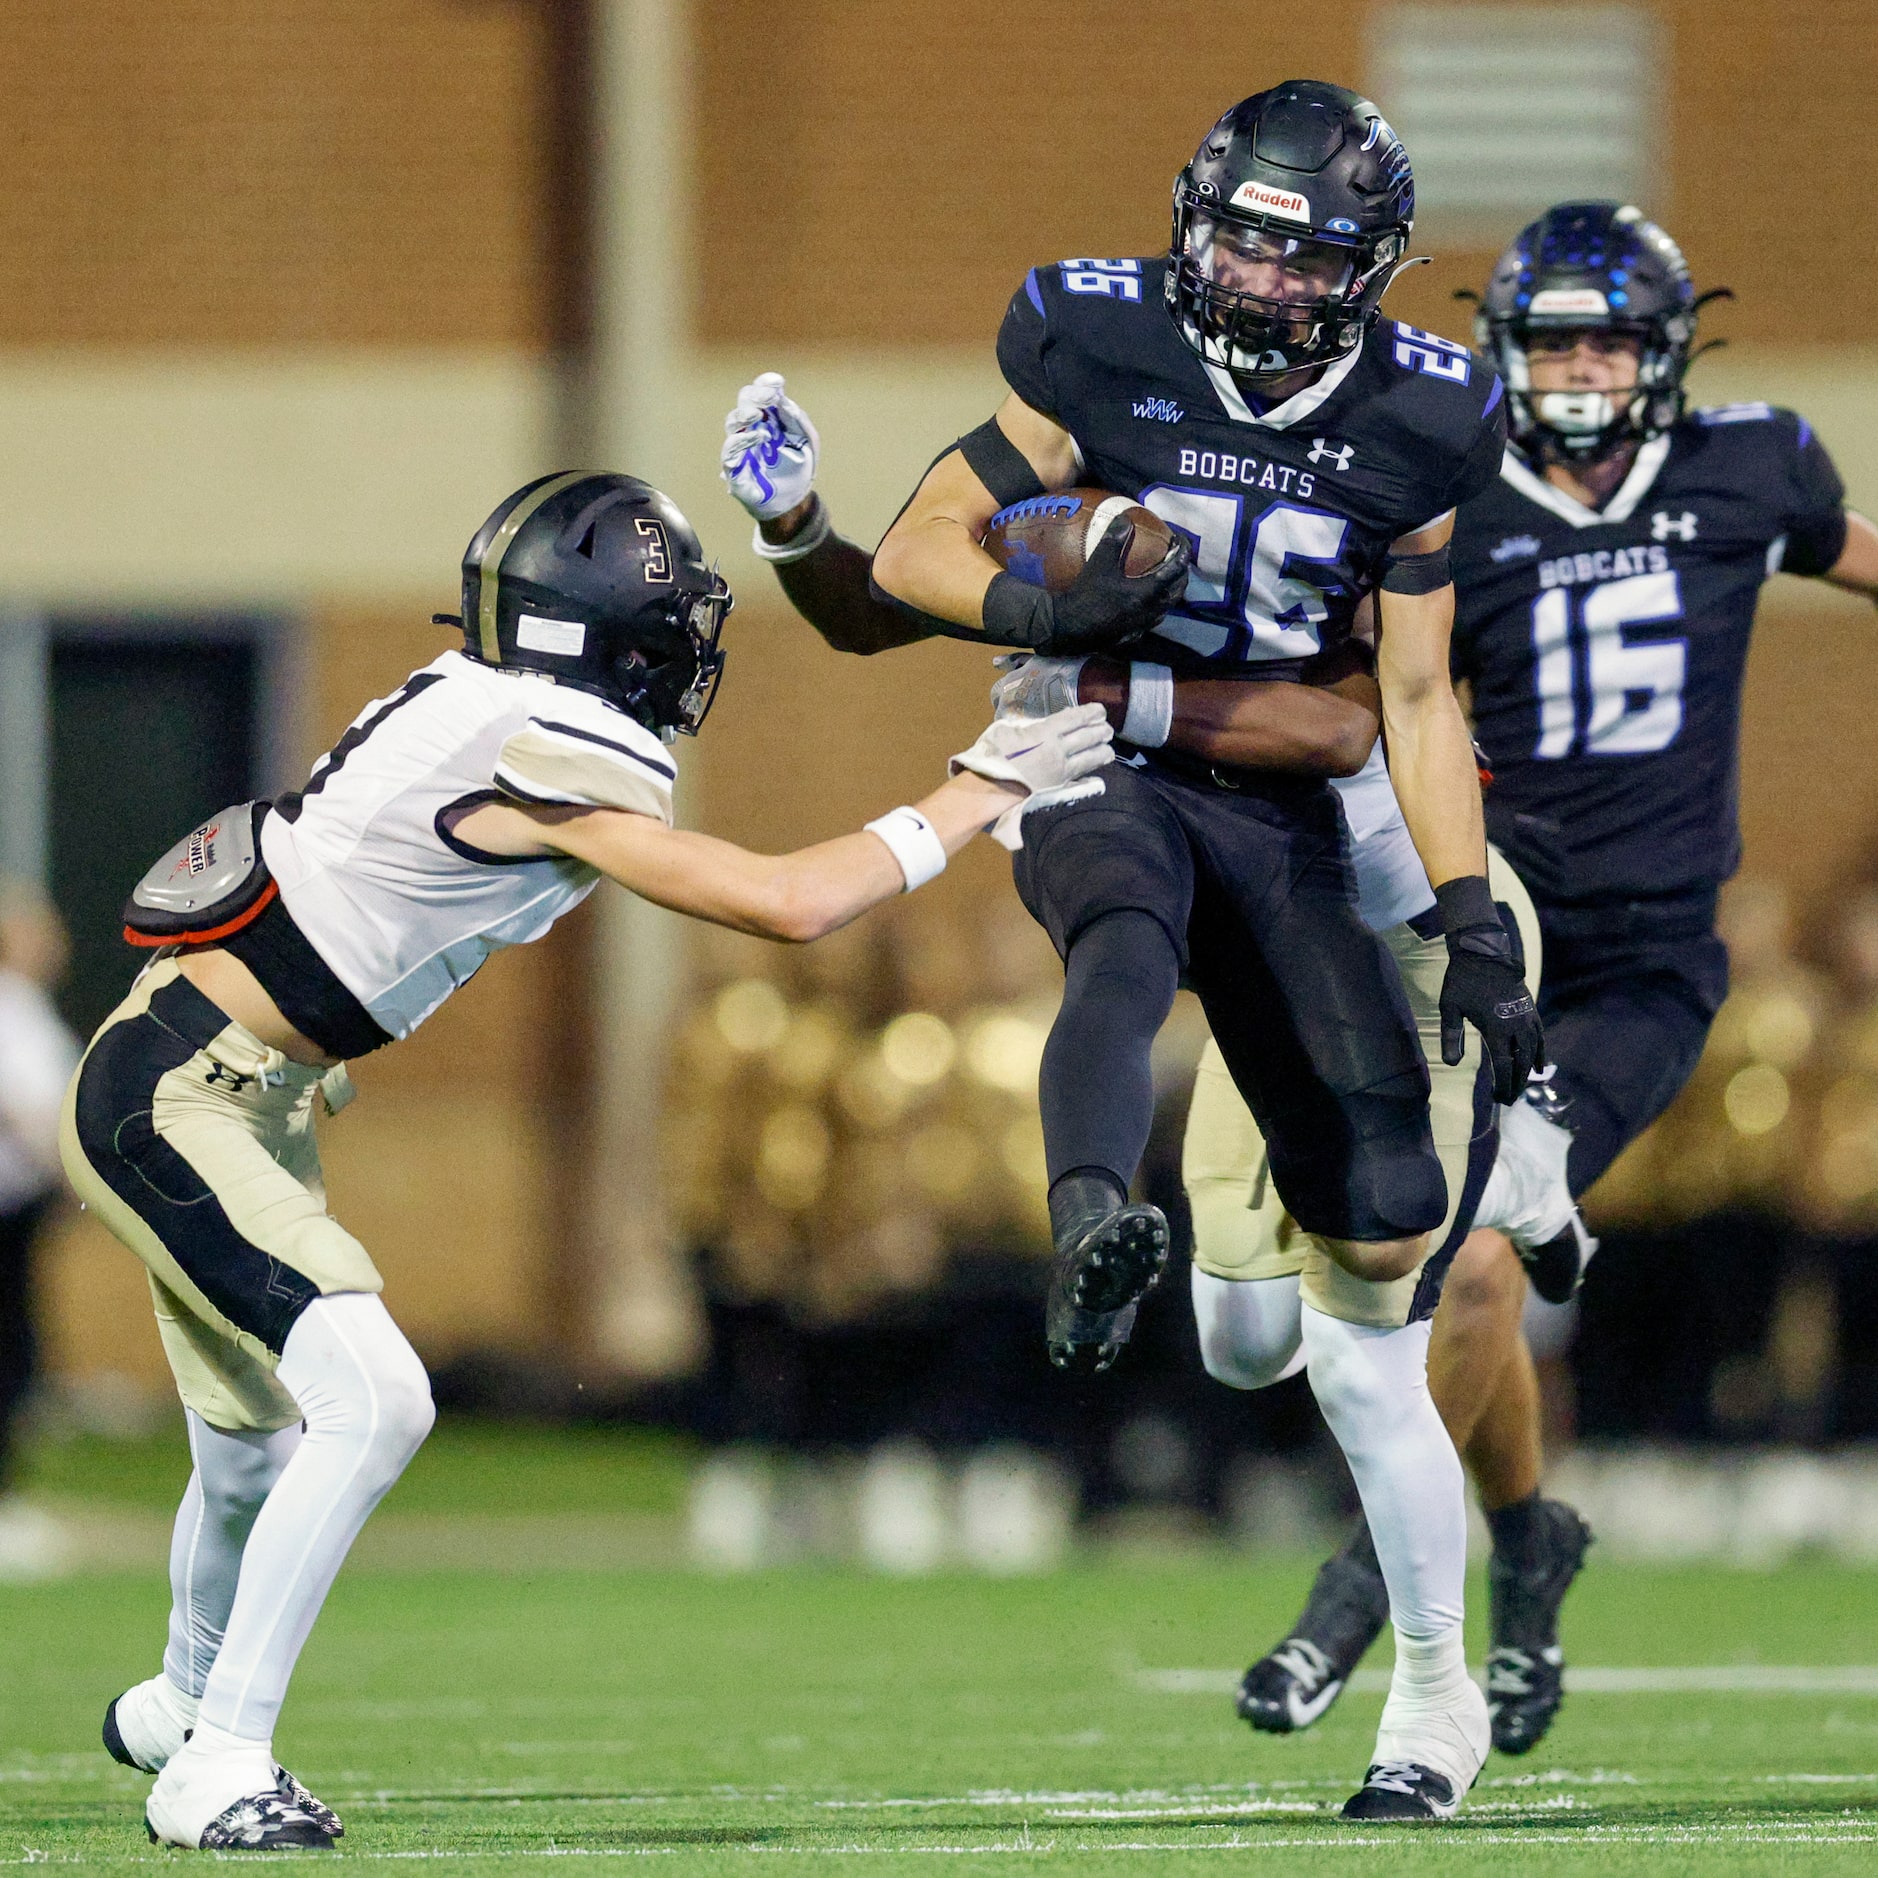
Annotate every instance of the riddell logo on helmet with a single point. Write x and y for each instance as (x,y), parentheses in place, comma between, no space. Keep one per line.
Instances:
(1569,300)
(1293,208)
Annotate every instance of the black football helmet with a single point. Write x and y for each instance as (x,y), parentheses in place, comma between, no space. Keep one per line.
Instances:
(1288,224)
(1590,264)
(598,581)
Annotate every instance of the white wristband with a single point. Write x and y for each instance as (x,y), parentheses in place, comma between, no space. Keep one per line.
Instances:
(920,852)
(1150,714)
(801,544)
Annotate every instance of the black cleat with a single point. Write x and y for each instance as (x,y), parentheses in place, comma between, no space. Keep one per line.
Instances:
(1524,1690)
(1557,1268)
(1402,1793)
(1108,1257)
(1525,1667)
(1296,1683)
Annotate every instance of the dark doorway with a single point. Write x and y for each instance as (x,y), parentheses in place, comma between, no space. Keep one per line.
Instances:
(147,735)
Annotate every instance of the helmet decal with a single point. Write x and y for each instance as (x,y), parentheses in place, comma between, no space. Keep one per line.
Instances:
(489,564)
(659,550)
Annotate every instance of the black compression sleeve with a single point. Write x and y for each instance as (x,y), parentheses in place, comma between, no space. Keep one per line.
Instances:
(999,464)
(1418,573)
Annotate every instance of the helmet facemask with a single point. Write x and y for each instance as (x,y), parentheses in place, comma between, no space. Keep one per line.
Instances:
(1264,296)
(670,686)
(1584,426)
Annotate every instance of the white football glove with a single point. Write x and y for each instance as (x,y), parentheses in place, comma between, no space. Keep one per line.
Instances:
(1053,757)
(770,447)
(1033,686)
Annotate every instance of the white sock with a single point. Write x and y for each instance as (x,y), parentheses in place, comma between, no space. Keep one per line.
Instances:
(234,1471)
(367,1405)
(1372,1386)
(1249,1333)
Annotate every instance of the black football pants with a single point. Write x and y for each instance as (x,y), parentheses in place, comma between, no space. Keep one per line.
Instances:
(1248,893)
(1625,1022)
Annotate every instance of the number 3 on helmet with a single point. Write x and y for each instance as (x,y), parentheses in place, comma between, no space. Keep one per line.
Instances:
(599,581)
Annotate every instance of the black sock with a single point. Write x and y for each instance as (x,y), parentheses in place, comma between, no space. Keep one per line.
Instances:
(1096,1089)
(1516,1530)
(1081,1197)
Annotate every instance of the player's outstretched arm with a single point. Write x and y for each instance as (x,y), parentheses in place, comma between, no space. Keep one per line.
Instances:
(1431,763)
(1325,726)
(815,890)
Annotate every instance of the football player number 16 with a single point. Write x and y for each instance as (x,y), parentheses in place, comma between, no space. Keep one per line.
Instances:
(1281,611)
(1635,703)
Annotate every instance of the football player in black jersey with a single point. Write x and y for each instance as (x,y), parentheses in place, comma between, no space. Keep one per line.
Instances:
(1607,588)
(1242,387)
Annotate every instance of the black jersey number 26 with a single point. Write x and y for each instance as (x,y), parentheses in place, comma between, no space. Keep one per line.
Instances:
(1243,601)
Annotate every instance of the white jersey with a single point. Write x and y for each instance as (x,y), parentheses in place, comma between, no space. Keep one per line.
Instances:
(400,909)
(1391,882)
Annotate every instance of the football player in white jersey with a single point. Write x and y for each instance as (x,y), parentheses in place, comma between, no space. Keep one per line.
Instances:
(464,813)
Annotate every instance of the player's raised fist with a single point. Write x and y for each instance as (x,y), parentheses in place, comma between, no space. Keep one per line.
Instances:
(770,449)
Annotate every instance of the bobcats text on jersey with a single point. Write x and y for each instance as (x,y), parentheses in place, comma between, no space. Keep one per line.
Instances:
(1290,510)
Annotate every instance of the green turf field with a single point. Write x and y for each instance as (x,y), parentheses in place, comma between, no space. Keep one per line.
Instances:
(471,1718)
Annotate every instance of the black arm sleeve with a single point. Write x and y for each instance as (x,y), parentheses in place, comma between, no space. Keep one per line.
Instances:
(1816,519)
(999,464)
(832,588)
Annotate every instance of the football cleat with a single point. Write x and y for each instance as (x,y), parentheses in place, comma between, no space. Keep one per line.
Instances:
(1402,1793)
(1557,1268)
(143,1728)
(257,1822)
(1288,1690)
(1527,1196)
(1296,1683)
(1524,1689)
(148,1723)
(1525,1667)
(1107,1259)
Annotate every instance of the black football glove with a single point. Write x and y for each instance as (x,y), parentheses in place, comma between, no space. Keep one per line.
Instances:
(1103,608)
(1485,987)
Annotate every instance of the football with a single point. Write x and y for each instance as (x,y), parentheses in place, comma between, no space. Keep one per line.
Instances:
(1046,539)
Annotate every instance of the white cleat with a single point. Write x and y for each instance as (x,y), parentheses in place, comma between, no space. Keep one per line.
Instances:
(1527,1198)
(240,1799)
(148,1724)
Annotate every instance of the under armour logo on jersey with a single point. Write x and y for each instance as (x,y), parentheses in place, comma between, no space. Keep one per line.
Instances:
(1322,452)
(220,1072)
(1663,525)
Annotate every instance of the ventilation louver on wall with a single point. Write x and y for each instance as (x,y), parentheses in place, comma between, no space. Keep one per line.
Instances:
(1508,109)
